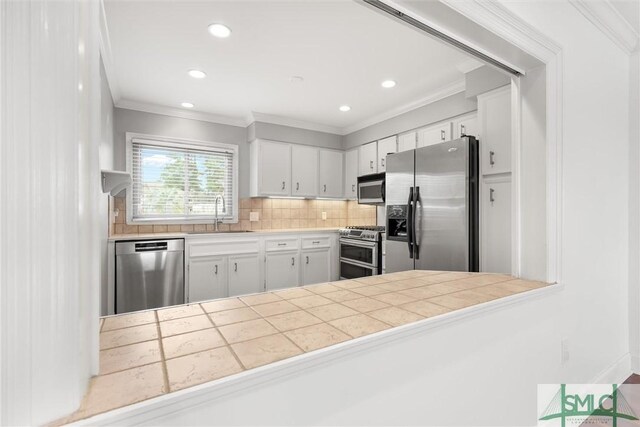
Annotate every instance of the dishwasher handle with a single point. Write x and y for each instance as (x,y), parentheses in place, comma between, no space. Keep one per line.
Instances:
(151,246)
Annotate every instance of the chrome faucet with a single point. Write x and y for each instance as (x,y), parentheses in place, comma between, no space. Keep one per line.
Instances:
(224,210)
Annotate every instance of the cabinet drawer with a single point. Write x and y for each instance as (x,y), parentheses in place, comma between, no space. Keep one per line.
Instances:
(316,242)
(223,247)
(285,244)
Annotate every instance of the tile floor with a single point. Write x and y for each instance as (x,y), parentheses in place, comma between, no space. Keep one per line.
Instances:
(147,354)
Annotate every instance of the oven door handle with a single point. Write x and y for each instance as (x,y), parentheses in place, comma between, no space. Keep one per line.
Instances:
(359,264)
(359,244)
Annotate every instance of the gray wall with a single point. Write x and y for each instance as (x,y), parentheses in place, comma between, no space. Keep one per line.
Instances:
(177,127)
(483,80)
(105,158)
(292,134)
(451,106)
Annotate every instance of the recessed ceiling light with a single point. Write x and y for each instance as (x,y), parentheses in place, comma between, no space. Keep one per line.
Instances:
(345,108)
(388,83)
(187,105)
(197,74)
(219,30)
(296,79)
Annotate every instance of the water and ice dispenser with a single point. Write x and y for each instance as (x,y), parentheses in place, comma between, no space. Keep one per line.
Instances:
(397,222)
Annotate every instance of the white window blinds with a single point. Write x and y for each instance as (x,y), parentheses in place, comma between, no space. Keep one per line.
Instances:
(173,181)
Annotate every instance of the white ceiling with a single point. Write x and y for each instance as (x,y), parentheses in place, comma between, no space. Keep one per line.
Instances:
(343,50)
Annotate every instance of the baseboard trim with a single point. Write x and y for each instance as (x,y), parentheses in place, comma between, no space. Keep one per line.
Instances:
(616,373)
(635,364)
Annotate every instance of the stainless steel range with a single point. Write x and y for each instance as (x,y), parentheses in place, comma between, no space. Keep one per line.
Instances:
(361,251)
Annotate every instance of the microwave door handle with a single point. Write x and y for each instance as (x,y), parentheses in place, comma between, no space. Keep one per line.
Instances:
(410,222)
(417,219)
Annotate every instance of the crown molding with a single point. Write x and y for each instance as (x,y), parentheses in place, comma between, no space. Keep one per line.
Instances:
(442,93)
(607,19)
(177,112)
(107,56)
(285,121)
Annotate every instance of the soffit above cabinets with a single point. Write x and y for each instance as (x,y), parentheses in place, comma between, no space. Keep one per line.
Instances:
(342,50)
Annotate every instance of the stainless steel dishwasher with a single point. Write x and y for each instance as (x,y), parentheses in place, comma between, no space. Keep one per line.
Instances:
(149,274)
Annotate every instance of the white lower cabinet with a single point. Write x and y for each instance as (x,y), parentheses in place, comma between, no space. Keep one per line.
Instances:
(281,270)
(244,275)
(207,278)
(316,266)
(495,220)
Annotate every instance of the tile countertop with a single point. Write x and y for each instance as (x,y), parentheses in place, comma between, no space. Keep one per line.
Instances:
(150,353)
(115,237)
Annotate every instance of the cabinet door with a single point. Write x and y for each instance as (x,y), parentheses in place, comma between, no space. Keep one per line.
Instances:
(494,113)
(207,278)
(386,146)
(434,134)
(495,220)
(351,174)
(281,270)
(407,141)
(465,126)
(331,182)
(244,275)
(274,162)
(316,266)
(304,171)
(368,159)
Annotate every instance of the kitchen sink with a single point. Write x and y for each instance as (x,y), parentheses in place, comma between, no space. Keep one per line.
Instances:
(219,232)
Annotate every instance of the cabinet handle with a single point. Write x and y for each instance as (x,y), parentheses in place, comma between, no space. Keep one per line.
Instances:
(282,244)
(382,162)
(353,188)
(235,266)
(324,188)
(283,185)
(442,134)
(297,186)
(293,261)
(491,193)
(462,130)
(371,164)
(216,270)
(307,260)
(315,242)
(491,161)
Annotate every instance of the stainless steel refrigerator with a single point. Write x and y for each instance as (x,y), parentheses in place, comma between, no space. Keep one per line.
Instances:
(432,208)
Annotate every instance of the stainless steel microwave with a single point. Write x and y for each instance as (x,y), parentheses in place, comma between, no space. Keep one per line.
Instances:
(371,189)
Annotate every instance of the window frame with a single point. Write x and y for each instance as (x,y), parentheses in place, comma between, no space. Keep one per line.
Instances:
(186,143)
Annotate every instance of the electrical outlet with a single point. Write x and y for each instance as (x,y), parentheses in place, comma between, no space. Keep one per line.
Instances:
(324,216)
(564,350)
(254,216)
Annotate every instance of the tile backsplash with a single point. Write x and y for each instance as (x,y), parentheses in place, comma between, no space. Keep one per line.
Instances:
(273,214)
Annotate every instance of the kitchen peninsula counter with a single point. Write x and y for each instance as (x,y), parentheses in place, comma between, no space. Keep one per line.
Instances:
(148,354)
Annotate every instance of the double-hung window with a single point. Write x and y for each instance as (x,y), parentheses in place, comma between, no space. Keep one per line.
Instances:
(181,181)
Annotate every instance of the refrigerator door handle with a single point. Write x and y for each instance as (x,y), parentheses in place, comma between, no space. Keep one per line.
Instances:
(410,222)
(417,222)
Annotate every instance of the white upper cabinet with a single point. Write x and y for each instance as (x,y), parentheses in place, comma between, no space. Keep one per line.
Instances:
(331,179)
(434,134)
(351,174)
(386,146)
(407,141)
(494,124)
(368,159)
(466,125)
(304,171)
(270,168)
